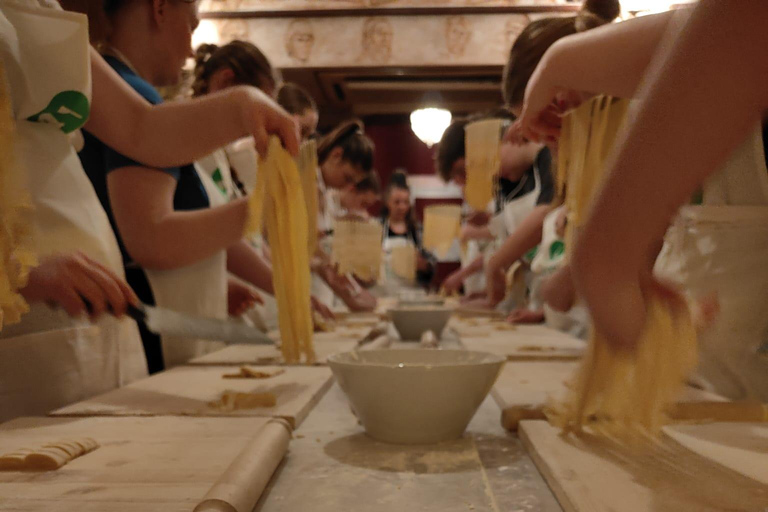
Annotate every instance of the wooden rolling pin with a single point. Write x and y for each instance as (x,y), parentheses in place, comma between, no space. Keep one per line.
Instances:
(733,412)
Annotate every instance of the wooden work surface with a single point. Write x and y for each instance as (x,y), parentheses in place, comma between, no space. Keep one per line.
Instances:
(518,342)
(164,464)
(187,391)
(326,344)
(523,389)
(332,466)
(697,468)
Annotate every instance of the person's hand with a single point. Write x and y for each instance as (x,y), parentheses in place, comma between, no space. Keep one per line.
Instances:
(495,282)
(452,284)
(79,285)
(241,297)
(262,117)
(525,316)
(323,310)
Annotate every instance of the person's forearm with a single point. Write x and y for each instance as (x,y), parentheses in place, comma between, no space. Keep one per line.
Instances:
(173,133)
(245,262)
(611,59)
(526,237)
(473,268)
(688,123)
(558,291)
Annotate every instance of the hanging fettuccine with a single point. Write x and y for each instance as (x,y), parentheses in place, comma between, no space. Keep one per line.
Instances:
(16,254)
(624,395)
(278,191)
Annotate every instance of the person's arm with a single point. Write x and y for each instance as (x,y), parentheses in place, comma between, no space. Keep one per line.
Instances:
(453,282)
(558,291)
(159,237)
(526,237)
(611,60)
(690,119)
(180,132)
(245,262)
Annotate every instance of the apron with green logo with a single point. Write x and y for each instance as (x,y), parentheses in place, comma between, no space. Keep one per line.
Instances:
(49,359)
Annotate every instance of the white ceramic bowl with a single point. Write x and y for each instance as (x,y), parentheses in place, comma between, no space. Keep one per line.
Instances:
(415,396)
(413,321)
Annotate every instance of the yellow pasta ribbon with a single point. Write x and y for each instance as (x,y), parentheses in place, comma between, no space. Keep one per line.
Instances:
(624,395)
(287,234)
(17,256)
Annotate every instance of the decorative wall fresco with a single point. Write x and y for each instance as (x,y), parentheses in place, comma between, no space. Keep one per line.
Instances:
(477,39)
(298,5)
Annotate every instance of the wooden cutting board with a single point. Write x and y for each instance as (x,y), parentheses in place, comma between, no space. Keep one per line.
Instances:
(150,464)
(522,342)
(697,468)
(270,355)
(525,387)
(187,391)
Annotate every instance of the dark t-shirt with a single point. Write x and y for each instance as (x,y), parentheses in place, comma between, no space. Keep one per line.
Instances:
(541,168)
(99,160)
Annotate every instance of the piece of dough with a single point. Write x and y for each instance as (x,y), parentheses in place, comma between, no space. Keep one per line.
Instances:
(250,373)
(236,400)
(46,459)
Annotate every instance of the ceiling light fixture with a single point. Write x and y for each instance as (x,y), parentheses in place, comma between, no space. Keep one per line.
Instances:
(429,124)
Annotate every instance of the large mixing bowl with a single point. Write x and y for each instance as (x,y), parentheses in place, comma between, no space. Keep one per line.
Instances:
(415,396)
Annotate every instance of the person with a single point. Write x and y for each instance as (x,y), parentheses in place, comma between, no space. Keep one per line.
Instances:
(700,142)
(400,227)
(356,201)
(525,225)
(170,222)
(218,68)
(49,359)
(298,102)
(345,157)
(524,185)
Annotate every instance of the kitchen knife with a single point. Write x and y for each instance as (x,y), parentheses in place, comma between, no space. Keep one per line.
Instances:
(172,323)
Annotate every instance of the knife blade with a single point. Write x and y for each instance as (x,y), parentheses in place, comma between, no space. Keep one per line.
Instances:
(173,323)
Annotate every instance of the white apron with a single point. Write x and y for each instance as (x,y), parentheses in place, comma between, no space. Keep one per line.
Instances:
(199,289)
(49,360)
(515,210)
(391,283)
(722,246)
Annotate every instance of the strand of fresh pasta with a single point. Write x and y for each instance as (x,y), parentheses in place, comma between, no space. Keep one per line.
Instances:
(623,395)
(287,233)
(17,256)
(307,164)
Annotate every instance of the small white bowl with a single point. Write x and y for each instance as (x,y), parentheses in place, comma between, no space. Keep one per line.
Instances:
(415,396)
(413,321)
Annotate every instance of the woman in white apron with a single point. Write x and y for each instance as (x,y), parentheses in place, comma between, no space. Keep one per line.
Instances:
(183,238)
(49,360)
(400,231)
(524,182)
(717,246)
(345,157)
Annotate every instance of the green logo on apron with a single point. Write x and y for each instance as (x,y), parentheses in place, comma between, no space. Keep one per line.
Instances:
(531,254)
(218,179)
(68,110)
(556,249)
